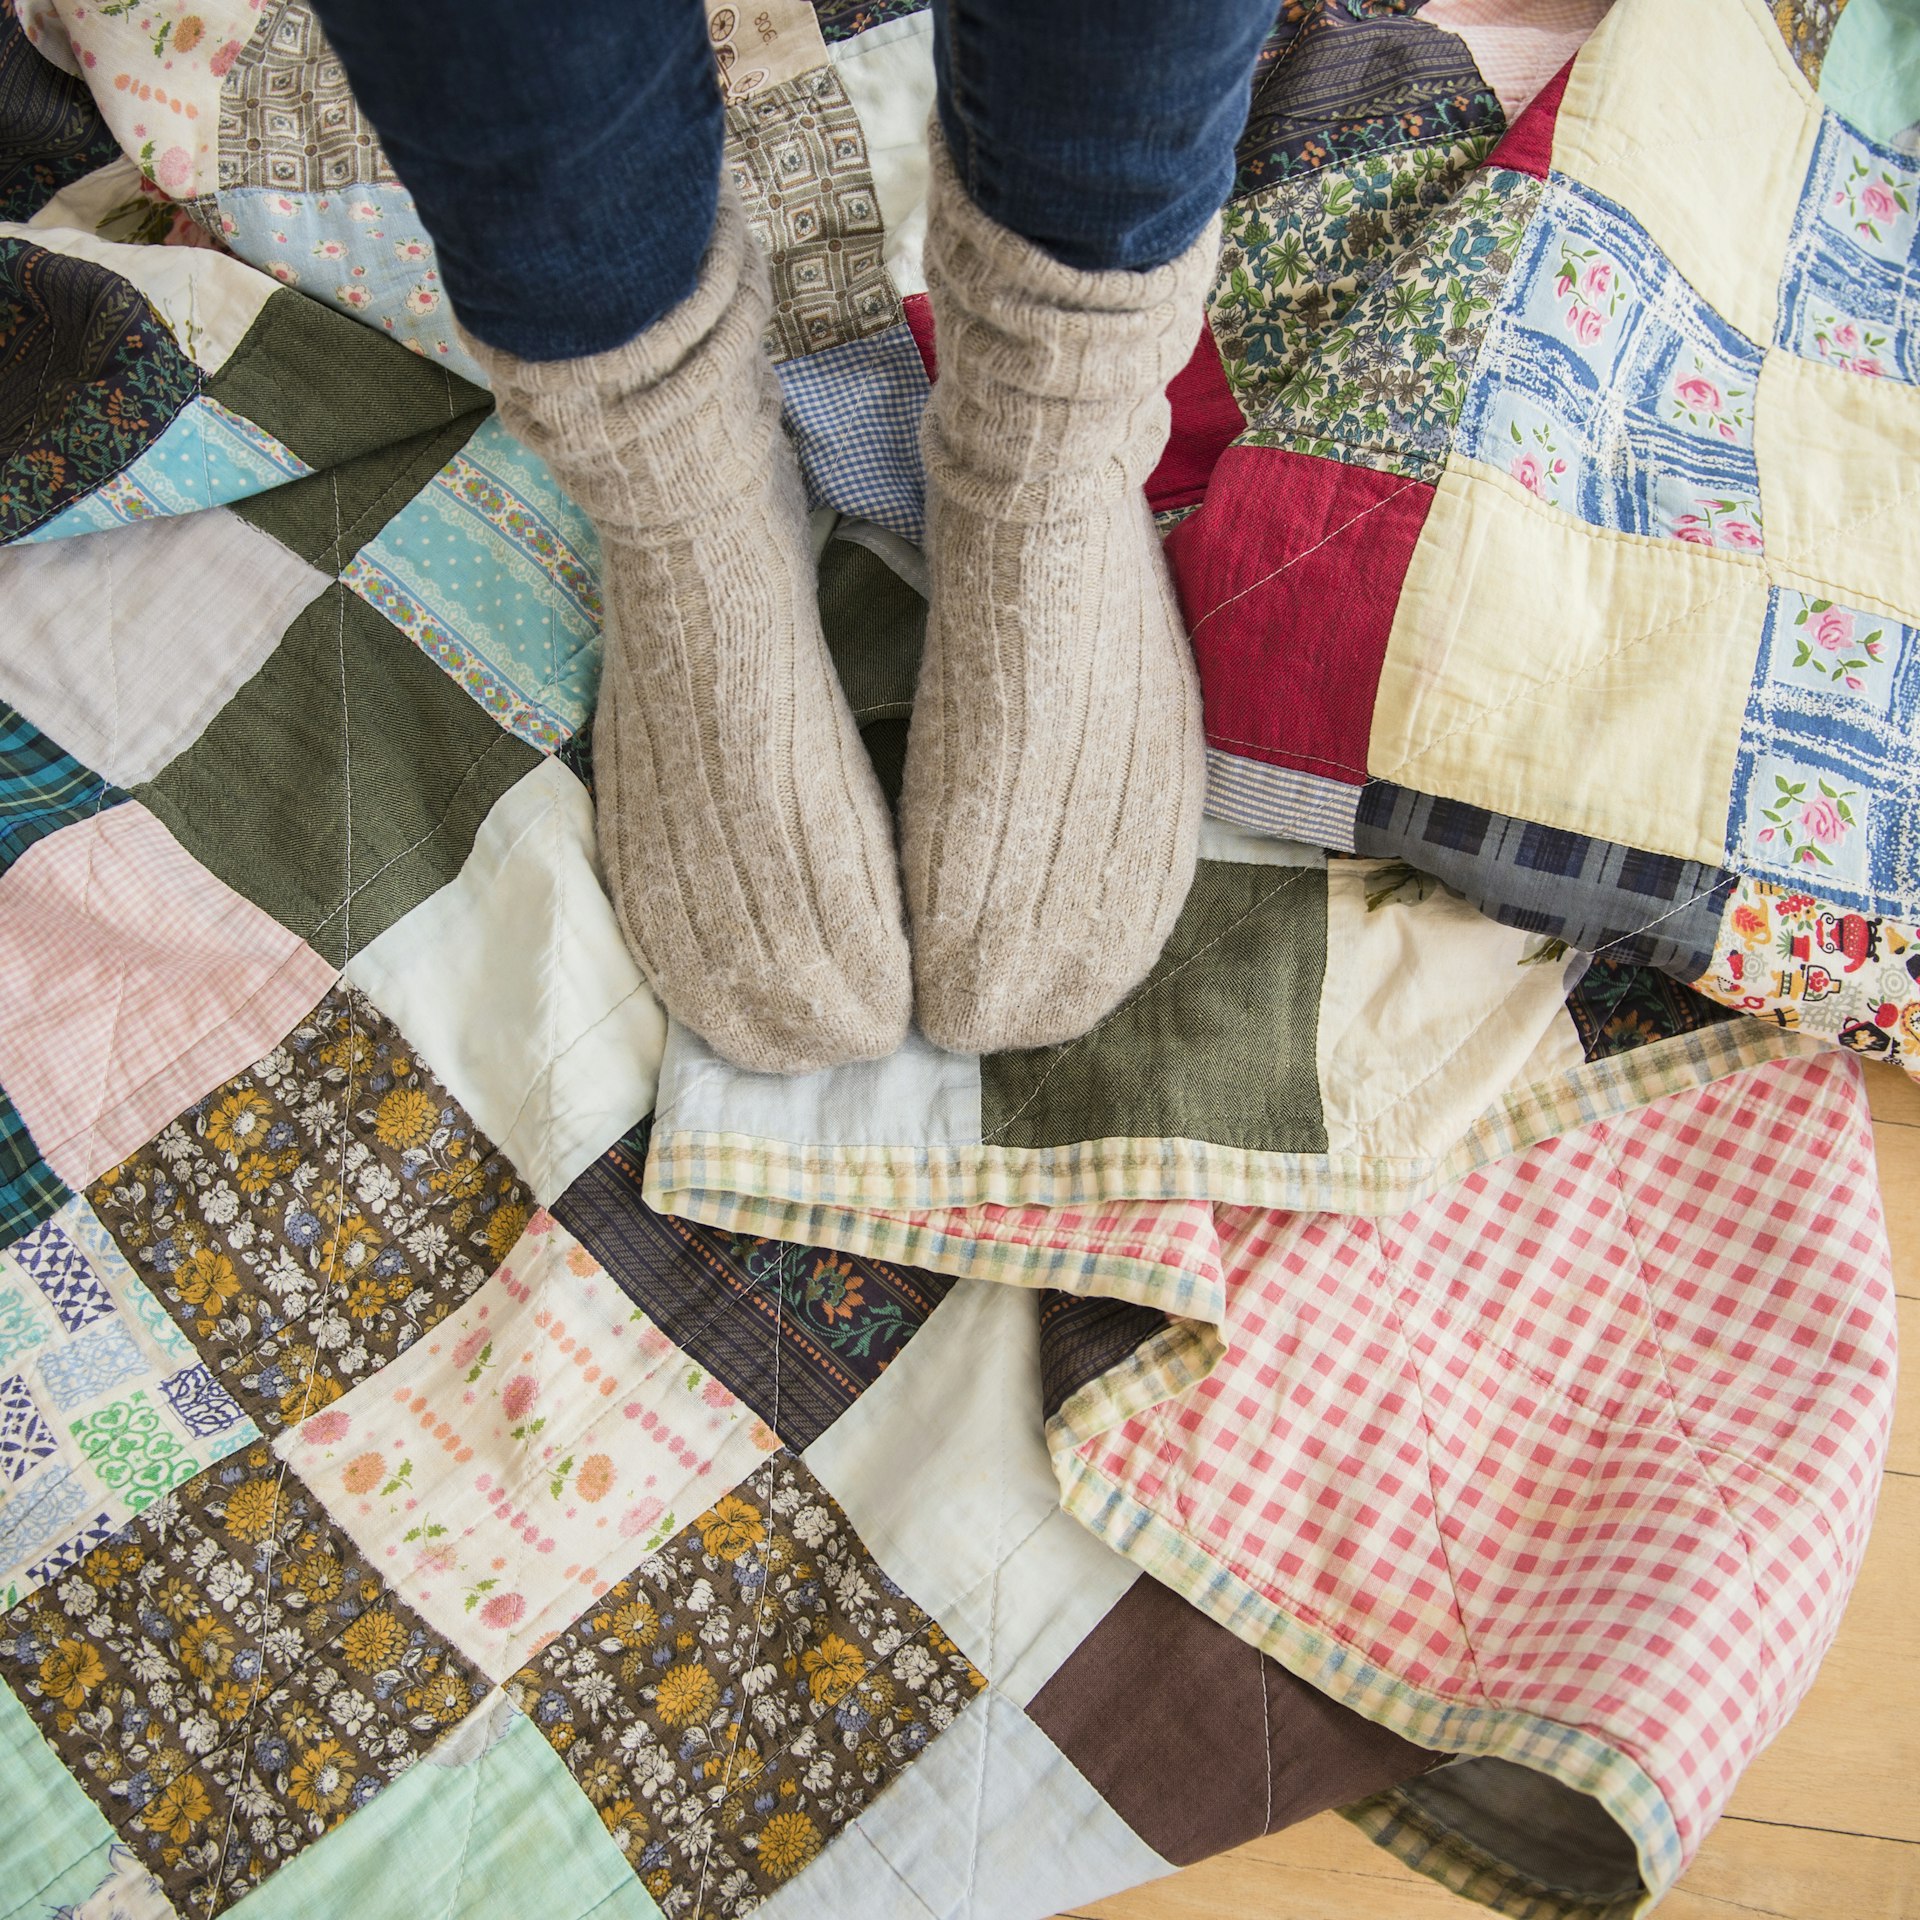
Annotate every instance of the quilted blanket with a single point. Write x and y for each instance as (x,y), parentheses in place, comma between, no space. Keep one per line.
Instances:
(1429,1352)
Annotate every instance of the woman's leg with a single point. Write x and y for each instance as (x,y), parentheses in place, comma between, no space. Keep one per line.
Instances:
(1050,810)
(567,162)
(565,159)
(1101,130)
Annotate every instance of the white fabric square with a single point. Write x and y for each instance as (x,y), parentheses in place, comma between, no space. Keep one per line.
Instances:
(1041,1840)
(888,75)
(994,1560)
(122,646)
(516,986)
(920,1096)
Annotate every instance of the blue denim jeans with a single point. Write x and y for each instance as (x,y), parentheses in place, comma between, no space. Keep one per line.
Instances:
(566,159)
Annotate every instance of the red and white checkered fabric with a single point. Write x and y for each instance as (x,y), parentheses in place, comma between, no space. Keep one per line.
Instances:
(1594,1434)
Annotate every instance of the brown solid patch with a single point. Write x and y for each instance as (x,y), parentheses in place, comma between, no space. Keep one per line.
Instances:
(1198,1740)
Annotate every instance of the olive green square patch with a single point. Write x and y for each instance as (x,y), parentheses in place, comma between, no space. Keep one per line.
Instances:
(343,783)
(375,422)
(1217,1044)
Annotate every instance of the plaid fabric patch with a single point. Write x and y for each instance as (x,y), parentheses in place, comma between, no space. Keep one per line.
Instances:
(1082,1338)
(954,1212)
(42,786)
(799,1333)
(854,413)
(30,1190)
(1592,1363)
(1645,908)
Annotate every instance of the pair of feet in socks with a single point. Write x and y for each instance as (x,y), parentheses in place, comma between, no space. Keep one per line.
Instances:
(1050,808)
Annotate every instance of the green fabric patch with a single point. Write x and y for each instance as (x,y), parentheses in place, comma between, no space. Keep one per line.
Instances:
(346,703)
(326,518)
(1229,1015)
(876,626)
(1871,75)
(54,1843)
(331,388)
(496,1837)
(375,421)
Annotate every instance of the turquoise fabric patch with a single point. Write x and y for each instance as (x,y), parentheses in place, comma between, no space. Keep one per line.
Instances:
(55,1844)
(1871,75)
(361,249)
(495,575)
(486,1832)
(208,455)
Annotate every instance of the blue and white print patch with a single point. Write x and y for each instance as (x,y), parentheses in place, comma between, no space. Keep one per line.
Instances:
(1610,389)
(1850,295)
(1826,789)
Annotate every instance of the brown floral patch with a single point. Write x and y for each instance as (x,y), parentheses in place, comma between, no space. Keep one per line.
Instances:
(313,1217)
(744,1693)
(229,1679)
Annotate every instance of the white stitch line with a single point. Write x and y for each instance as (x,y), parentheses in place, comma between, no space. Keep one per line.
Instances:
(1386,500)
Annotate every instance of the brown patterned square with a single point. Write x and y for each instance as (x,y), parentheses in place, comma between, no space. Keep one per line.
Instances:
(744,1693)
(287,116)
(310,1219)
(229,1679)
(799,159)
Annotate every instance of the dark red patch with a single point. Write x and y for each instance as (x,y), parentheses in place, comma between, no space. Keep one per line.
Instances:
(920,319)
(1289,575)
(1206,421)
(1527,145)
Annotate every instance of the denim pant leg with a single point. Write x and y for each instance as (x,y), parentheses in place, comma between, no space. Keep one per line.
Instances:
(565,158)
(1101,130)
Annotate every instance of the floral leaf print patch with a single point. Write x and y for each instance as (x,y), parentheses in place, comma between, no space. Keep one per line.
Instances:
(229,1679)
(312,1217)
(745,1693)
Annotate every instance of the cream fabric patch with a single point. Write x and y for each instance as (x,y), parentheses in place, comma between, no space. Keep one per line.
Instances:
(1708,156)
(888,74)
(1533,655)
(1430,1013)
(1839,484)
(515,985)
(526,1453)
(123,649)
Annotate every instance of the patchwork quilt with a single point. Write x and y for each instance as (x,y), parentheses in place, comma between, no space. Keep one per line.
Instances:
(1429,1352)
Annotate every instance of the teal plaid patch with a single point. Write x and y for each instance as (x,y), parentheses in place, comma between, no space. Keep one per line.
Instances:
(42,786)
(29,1189)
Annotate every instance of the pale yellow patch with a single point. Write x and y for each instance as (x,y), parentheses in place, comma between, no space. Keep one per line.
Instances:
(1839,484)
(1588,680)
(1694,118)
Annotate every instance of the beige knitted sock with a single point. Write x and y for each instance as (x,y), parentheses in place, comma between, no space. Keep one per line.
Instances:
(746,842)
(1050,814)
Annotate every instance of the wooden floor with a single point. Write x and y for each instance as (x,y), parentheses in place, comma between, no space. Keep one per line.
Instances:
(1826,1824)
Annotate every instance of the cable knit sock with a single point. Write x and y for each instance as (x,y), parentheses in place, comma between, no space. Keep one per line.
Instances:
(1050,814)
(746,843)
